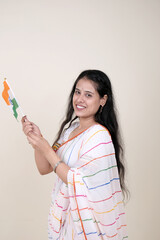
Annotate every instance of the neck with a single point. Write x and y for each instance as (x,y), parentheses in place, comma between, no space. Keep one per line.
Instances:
(86,122)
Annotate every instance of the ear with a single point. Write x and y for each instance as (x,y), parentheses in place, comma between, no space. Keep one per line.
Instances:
(103,100)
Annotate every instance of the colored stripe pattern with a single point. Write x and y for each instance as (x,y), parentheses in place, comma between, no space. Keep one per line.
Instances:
(90,206)
(9,98)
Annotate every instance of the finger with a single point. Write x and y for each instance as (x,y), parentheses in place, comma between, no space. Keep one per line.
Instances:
(27,131)
(27,124)
(34,136)
(35,126)
(27,128)
(24,119)
(36,133)
(35,129)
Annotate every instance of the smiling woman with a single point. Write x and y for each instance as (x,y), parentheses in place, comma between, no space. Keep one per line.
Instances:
(86,100)
(87,200)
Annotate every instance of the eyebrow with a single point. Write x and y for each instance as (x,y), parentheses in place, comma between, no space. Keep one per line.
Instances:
(85,91)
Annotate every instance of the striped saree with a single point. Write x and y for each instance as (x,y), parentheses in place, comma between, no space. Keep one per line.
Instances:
(90,206)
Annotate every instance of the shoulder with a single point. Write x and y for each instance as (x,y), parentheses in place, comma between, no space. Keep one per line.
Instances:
(99,130)
(97,133)
(97,141)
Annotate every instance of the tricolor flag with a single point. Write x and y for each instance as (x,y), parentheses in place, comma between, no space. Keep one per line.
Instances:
(10,99)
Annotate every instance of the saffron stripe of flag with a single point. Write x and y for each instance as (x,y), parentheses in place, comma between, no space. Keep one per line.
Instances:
(5,94)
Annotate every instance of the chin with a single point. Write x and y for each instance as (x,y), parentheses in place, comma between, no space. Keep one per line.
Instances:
(79,115)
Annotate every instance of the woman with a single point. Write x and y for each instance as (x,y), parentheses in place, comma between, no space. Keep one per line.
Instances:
(87,200)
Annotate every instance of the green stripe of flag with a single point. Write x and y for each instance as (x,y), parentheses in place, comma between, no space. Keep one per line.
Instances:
(14,107)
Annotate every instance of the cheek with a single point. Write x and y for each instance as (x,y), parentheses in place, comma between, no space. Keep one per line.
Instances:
(97,105)
(73,100)
(94,106)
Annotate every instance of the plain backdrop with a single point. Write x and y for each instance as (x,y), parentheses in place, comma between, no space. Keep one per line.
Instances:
(44,45)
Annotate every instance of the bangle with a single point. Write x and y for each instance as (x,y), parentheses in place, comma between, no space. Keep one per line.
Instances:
(55,167)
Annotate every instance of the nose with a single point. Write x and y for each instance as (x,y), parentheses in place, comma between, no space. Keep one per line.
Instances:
(80,98)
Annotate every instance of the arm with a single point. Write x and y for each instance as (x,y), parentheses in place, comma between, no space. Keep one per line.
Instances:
(41,145)
(45,157)
(42,164)
(62,169)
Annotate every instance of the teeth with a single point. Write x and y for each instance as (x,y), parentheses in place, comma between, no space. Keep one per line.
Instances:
(80,106)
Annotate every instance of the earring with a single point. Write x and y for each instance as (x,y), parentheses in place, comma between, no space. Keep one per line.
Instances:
(101,109)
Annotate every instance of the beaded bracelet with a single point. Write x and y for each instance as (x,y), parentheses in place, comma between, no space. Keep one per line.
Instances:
(57,165)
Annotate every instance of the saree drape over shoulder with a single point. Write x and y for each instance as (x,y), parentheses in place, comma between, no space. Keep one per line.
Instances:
(90,206)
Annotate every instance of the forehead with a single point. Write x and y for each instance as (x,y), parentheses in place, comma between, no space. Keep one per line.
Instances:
(86,85)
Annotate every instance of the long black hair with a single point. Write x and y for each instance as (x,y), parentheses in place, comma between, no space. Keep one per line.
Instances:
(105,116)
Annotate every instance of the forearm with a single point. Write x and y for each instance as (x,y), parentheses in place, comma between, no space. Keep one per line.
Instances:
(44,167)
(45,157)
(62,169)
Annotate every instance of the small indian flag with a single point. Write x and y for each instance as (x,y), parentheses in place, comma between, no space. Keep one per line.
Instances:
(10,99)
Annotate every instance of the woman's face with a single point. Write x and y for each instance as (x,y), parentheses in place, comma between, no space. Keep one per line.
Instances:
(86,99)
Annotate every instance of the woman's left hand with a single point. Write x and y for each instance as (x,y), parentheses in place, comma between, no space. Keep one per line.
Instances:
(39,143)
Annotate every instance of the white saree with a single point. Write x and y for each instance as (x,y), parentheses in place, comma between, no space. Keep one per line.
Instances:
(90,206)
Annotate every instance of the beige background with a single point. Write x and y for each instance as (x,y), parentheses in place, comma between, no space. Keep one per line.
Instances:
(44,45)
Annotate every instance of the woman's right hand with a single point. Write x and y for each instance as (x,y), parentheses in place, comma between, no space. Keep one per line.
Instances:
(28,126)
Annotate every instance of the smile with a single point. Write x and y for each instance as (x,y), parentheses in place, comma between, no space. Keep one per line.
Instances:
(79,107)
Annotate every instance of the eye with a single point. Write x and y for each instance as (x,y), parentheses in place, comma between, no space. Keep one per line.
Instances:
(77,92)
(88,95)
